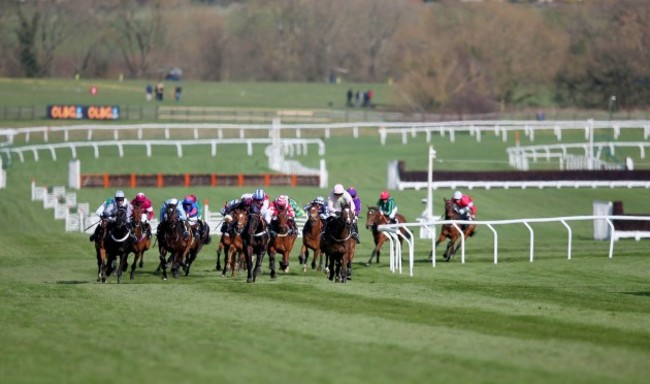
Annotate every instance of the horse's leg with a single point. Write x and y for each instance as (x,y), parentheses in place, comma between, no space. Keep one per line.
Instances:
(449,252)
(137,255)
(302,257)
(344,269)
(272,262)
(330,267)
(220,249)
(258,263)
(248,253)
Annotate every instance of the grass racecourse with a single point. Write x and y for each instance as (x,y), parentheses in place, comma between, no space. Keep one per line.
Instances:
(584,320)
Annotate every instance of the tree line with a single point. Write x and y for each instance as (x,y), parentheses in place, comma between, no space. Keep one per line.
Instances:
(461,57)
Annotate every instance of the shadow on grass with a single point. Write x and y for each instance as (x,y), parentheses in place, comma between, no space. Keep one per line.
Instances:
(72,282)
(637,293)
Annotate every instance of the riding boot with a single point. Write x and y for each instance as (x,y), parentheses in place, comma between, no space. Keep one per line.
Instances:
(224,227)
(148,229)
(355,233)
(95,234)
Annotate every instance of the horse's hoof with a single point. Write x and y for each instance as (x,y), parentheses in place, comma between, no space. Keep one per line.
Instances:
(218,267)
(250,280)
(132,275)
(141,264)
(301,259)
(367,264)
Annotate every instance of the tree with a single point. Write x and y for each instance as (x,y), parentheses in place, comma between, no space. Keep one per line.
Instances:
(136,31)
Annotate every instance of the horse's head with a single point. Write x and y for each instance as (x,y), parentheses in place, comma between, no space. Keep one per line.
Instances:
(313,212)
(281,222)
(138,209)
(255,224)
(120,218)
(240,218)
(450,211)
(172,214)
(374,218)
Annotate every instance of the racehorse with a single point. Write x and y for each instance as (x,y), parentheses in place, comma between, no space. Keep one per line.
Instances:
(197,244)
(235,235)
(143,243)
(374,220)
(338,244)
(118,245)
(311,234)
(282,240)
(448,231)
(256,239)
(174,242)
(100,250)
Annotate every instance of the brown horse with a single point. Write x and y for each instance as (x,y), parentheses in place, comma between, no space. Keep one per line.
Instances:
(143,242)
(311,234)
(338,244)
(100,250)
(282,240)
(118,245)
(448,231)
(374,220)
(202,230)
(175,241)
(256,239)
(235,249)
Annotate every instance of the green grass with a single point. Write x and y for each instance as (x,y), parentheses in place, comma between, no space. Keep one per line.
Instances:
(554,320)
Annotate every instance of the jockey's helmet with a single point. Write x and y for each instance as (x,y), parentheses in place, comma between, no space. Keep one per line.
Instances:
(384,195)
(191,198)
(259,195)
(119,195)
(338,189)
(457,195)
(140,197)
(352,191)
(173,201)
(282,200)
(320,200)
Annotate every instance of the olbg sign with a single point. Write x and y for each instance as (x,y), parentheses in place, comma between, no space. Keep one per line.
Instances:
(78,112)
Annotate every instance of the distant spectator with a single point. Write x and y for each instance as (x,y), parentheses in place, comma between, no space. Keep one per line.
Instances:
(371,94)
(366,99)
(177,93)
(357,99)
(349,96)
(149,90)
(539,115)
(160,91)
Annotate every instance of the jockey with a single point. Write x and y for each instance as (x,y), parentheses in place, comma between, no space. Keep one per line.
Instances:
(281,203)
(108,210)
(193,211)
(260,202)
(357,201)
(169,203)
(322,207)
(147,210)
(387,207)
(464,205)
(296,208)
(335,200)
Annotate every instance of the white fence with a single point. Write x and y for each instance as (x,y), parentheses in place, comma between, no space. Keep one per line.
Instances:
(290,147)
(393,234)
(503,128)
(403,129)
(520,156)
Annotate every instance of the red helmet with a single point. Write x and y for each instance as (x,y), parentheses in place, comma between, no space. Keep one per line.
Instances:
(190,198)
(140,197)
(384,195)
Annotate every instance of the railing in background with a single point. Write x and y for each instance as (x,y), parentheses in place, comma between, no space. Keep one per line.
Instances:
(520,156)
(393,233)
